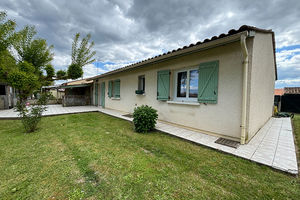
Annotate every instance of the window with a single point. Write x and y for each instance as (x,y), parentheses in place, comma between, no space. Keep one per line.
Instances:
(2,90)
(186,85)
(141,83)
(114,88)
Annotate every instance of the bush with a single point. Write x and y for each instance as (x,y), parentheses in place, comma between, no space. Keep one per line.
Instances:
(31,115)
(144,118)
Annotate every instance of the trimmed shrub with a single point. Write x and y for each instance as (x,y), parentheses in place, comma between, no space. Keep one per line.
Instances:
(144,118)
(31,114)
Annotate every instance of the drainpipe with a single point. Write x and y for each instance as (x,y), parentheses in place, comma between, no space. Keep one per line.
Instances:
(244,128)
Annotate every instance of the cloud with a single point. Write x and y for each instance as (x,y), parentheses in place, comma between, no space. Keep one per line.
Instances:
(92,70)
(288,62)
(126,31)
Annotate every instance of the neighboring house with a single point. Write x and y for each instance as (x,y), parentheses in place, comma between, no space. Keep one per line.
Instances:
(287,99)
(77,93)
(7,96)
(56,92)
(222,86)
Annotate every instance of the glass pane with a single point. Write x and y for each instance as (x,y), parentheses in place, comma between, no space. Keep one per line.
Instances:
(141,85)
(181,84)
(193,91)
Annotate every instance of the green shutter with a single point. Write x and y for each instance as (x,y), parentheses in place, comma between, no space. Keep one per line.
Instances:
(96,94)
(163,85)
(109,89)
(117,88)
(208,82)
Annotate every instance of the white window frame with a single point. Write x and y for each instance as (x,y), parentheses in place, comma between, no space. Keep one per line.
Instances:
(187,98)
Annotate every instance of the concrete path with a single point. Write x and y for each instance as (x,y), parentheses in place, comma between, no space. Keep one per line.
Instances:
(51,110)
(273,145)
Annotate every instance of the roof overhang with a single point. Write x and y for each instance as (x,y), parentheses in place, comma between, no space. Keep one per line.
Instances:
(75,86)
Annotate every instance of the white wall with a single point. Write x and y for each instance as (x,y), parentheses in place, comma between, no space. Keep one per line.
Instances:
(223,118)
(262,83)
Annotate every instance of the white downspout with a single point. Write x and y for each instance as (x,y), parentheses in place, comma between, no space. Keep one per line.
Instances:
(244,128)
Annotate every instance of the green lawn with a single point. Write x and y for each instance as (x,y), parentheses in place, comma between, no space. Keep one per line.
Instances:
(95,156)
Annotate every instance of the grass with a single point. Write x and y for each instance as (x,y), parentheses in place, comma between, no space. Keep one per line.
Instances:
(95,156)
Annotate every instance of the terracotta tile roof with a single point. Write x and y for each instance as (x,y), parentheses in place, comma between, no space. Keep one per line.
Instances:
(287,90)
(78,82)
(292,90)
(279,92)
(162,56)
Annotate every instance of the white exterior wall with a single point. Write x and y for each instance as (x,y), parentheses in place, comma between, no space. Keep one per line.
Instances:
(262,82)
(223,118)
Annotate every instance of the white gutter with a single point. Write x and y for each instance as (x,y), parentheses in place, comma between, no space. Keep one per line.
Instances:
(244,128)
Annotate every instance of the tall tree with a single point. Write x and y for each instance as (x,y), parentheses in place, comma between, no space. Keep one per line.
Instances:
(7,31)
(34,51)
(7,35)
(25,69)
(81,55)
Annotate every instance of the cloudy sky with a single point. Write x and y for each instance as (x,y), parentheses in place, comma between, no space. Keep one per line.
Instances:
(126,31)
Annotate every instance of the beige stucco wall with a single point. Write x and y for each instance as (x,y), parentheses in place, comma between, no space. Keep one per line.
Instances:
(223,118)
(262,81)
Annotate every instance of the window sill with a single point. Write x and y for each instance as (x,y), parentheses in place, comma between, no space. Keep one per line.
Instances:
(115,98)
(141,94)
(184,103)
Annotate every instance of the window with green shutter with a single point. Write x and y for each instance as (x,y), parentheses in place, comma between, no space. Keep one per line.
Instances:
(208,82)
(116,89)
(163,85)
(186,85)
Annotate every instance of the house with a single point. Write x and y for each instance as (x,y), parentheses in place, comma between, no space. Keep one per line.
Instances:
(77,93)
(222,86)
(7,96)
(56,92)
(287,99)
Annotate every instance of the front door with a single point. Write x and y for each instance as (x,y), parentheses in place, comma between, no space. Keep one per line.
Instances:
(96,94)
(103,94)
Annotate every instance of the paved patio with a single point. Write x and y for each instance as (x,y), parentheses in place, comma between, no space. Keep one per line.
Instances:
(51,111)
(273,145)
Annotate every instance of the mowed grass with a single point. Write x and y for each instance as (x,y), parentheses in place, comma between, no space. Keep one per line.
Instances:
(95,156)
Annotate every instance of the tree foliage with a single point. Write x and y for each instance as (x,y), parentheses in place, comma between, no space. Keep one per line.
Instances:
(35,51)
(7,36)
(82,55)
(29,67)
(50,72)
(61,74)
(7,32)
(75,71)
(24,80)
(7,64)
(23,70)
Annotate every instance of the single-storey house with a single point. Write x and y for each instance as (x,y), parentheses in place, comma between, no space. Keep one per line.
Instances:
(287,99)
(77,93)
(57,93)
(8,96)
(222,86)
